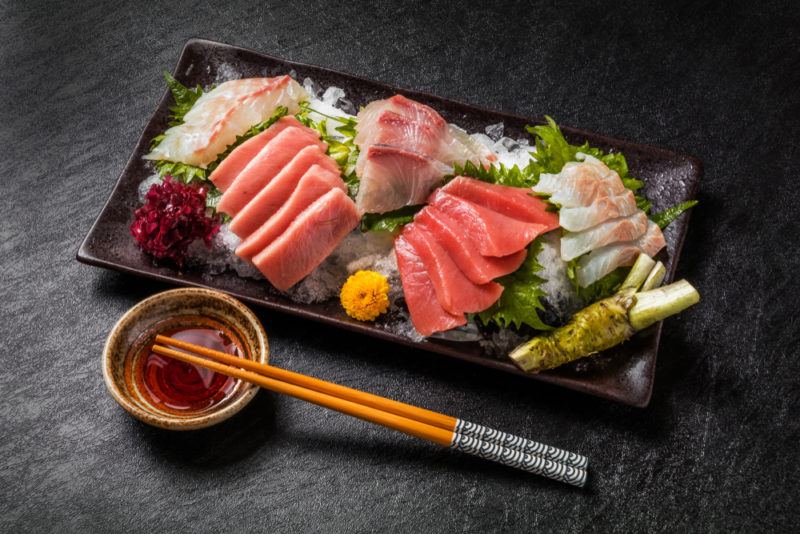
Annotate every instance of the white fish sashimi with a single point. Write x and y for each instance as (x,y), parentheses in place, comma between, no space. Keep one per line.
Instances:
(580,184)
(574,244)
(603,209)
(603,260)
(220,115)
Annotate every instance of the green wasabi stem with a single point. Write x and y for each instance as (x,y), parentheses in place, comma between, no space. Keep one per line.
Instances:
(610,321)
(655,277)
(593,329)
(638,274)
(658,304)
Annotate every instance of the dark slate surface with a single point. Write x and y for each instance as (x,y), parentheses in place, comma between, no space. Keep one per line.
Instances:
(716,449)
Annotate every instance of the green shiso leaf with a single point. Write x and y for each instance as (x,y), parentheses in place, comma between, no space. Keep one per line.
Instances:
(666,217)
(500,174)
(184,98)
(341,148)
(521,299)
(390,221)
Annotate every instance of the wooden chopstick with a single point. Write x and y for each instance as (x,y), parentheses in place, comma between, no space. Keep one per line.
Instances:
(435,434)
(409,411)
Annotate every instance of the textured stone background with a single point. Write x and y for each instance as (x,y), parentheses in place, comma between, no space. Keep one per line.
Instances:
(716,449)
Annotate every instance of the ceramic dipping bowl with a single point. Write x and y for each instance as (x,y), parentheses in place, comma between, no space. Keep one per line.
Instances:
(139,326)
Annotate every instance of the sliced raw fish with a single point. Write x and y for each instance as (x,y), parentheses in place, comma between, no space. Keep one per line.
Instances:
(369,117)
(514,202)
(453,289)
(574,244)
(315,182)
(602,261)
(464,252)
(308,240)
(224,113)
(432,136)
(227,171)
(391,128)
(495,234)
(270,199)
(580,184)
(427,314)
(603,209)
(265,166)
(392,177)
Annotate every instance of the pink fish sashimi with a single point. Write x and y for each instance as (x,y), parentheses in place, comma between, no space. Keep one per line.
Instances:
(418,128)
(277,191)
(223,113)
(263,168)
(315,182)
(454,291)
(391,177)
(427,314)
(369,117)
(393,129)
(493,233)
(308,240)
(227,171)
(515,202)
(461,248)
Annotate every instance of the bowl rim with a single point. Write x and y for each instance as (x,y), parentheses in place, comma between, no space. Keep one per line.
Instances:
(191,422)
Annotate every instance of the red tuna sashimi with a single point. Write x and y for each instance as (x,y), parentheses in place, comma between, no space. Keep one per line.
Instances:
(315,182)
(462,249)
(427,315)
(493,233)
(514,202)
(454,291)
(263,168)
(270,199)
(391,177)
(227,171)
(309,240)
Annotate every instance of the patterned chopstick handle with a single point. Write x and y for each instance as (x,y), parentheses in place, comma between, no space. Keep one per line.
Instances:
(514,458)
(518,443)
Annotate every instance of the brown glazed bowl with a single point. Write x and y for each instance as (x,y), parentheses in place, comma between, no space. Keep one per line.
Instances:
(136,325)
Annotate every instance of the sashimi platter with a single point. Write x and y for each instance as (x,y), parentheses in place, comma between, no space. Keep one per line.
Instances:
(510,242)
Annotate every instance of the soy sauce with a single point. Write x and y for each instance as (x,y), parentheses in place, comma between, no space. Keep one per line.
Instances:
(177,387)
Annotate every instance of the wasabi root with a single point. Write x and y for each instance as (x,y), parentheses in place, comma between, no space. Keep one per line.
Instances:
(610,321)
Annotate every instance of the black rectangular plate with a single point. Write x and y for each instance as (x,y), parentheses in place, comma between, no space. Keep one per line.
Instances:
(624,374)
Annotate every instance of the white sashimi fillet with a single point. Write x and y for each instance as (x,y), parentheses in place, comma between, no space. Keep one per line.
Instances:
(224,113)
(583,217)
(602,261)
(580,184)
(574,244)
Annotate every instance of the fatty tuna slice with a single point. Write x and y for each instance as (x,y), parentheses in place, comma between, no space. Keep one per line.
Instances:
(454,290)
(227,171)
(308,240)
(459,245)
(315,182)
(392,177)
(494,234)
(427,314)
(265,165)
(574,244)
(603,260)
(270,199)
(603,209)
(515,202)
